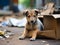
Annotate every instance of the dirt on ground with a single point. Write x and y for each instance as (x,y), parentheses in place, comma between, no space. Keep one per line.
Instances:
(14,39)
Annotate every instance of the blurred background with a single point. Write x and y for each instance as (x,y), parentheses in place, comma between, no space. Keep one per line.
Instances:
(20,5)
(14,7)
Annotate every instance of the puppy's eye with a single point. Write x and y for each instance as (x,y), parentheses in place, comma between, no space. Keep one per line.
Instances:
(34,15)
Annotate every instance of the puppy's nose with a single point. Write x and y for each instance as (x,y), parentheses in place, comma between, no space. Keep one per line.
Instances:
(32,21)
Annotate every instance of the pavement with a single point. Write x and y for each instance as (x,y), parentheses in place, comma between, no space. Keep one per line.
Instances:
(14,40)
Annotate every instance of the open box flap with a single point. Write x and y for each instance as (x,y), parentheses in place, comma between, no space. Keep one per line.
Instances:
(56,16)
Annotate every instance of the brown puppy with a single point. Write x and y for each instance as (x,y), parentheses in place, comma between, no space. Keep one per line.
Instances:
(31,28)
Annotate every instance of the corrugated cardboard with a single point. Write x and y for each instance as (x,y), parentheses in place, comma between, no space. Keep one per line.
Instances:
(51,26)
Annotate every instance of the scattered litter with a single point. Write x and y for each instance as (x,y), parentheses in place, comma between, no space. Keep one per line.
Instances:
(2,38)
(5,34)
(2,32)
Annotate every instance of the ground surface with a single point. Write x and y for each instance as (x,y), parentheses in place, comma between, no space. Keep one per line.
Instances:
(13,40)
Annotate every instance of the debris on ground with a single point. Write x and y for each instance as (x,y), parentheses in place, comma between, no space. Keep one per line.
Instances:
(5,34)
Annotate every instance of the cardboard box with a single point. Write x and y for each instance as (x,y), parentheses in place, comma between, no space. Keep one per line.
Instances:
(51,26)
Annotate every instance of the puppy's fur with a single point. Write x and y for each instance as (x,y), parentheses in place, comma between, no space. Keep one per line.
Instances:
(33,25)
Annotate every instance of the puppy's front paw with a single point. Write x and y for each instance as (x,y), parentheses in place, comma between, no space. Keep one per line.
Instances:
(32,39)
(21,38)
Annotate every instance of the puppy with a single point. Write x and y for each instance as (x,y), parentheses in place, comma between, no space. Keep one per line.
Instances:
(33,25)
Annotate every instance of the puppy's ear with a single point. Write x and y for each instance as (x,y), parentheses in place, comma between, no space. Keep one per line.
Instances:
(25,12)
(36,11)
